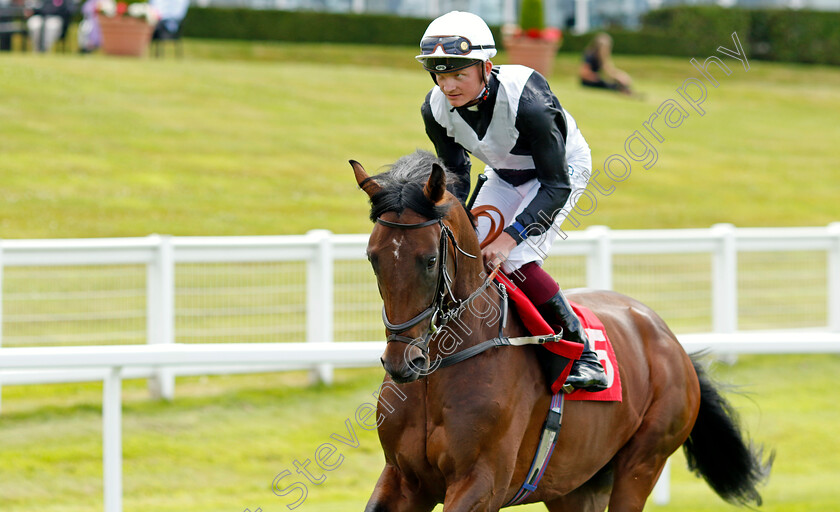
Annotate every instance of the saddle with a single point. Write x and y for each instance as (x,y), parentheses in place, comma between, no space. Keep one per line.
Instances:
(557,362)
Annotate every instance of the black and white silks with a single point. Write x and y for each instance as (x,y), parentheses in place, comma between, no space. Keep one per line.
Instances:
(521,132)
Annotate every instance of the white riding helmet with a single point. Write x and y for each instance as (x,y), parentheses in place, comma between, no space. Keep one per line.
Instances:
(455,41)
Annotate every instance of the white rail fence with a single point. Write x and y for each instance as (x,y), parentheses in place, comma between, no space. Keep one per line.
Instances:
(318,286)
(807,257)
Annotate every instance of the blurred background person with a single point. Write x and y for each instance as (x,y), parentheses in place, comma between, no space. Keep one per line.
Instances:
(597,69)
(90,33)
(48,23)
(171,13)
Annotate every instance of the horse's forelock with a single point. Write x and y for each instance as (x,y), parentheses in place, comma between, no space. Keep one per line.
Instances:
(402,187)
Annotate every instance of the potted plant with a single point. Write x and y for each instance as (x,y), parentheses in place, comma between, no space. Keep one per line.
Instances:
(531,43)
(126,28)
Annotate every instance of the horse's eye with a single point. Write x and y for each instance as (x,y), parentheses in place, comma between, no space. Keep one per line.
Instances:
(431,263)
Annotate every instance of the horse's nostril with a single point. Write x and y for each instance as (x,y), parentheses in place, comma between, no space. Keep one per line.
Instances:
(418,363)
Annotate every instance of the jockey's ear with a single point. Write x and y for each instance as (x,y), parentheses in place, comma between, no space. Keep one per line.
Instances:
(436,186)
(365,182)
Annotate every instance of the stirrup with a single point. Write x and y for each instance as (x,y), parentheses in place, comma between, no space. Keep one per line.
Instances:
(588,367)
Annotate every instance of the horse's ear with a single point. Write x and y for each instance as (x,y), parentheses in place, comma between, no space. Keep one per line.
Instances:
(436,185)
(365,182)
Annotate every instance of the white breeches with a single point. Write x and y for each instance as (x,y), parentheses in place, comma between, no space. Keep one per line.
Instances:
(511,201)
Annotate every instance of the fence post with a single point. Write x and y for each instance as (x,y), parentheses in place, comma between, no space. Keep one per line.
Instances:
(834,277)
(725,280)
(1,315)
(112,440)
(319,298)
(160,311)
(662,489)
(599,262)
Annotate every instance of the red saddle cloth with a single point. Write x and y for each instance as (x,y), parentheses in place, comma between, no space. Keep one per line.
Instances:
(596,332)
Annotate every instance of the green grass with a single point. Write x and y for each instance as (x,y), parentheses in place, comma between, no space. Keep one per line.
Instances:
(96,147)
(247,138)
(220,444)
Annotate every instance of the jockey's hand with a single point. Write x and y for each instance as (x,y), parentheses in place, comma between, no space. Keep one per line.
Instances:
(498,251)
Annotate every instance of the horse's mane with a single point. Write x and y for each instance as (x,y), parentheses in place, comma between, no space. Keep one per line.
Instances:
(402,187)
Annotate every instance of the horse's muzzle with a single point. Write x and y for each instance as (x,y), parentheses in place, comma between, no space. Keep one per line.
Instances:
(409,366)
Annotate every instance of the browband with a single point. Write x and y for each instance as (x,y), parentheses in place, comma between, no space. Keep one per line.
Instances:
(407,226)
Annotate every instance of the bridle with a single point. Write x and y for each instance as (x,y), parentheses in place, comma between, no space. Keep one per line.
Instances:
(439,309)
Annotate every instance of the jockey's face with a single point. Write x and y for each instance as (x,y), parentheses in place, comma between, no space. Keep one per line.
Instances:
(464,85)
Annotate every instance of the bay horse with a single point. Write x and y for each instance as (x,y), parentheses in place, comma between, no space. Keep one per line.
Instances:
(465,435)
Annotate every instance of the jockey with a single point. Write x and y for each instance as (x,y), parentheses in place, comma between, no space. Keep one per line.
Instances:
(508,118)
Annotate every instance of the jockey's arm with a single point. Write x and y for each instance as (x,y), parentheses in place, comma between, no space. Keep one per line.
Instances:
(542,123)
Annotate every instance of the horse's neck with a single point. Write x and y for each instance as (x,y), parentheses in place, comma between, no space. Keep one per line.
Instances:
(478,380)
(482,318)
(472,387)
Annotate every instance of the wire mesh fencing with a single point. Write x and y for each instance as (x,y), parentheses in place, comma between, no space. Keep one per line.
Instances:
(248,300)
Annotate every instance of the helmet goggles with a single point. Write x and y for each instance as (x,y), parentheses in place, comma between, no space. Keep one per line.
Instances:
(450,45)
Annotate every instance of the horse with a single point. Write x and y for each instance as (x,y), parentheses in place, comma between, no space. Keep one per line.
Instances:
(464,435)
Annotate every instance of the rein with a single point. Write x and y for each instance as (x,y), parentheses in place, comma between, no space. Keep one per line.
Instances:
(437,310)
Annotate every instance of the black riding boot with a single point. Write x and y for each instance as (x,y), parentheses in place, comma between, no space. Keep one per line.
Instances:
(587,372)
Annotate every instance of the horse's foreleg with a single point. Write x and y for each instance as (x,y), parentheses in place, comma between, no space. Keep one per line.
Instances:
(393,493)
(474,493)
(593,496)
(579,502)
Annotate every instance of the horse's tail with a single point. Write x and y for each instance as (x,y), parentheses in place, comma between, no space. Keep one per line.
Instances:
(717,450)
